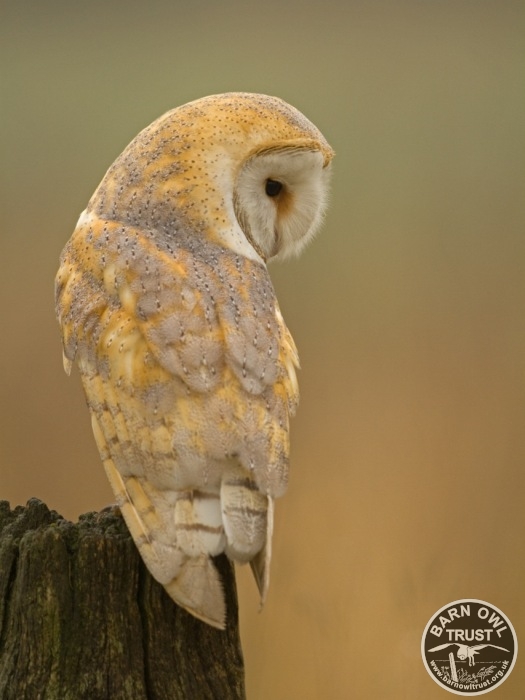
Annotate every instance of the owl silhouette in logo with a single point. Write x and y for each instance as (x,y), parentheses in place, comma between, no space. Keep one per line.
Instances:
(167,309)
(464,651)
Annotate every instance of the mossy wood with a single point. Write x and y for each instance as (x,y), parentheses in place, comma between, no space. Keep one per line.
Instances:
(81,618)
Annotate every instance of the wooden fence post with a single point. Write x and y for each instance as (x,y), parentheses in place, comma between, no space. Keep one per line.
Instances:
(82,619)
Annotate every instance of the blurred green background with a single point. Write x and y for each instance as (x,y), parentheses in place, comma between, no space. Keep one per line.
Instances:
(407,483)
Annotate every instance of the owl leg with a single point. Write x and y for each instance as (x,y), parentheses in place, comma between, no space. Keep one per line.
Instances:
(248,523)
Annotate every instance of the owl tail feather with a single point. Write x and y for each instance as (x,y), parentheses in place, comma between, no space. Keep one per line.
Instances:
(198,589)
(192,582)
(260,564)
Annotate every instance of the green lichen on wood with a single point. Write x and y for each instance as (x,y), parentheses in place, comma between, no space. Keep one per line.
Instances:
(81,618)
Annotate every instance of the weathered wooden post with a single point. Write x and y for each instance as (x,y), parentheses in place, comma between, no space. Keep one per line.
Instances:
(82,619)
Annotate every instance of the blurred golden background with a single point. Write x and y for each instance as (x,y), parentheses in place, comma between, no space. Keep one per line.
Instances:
(407,483)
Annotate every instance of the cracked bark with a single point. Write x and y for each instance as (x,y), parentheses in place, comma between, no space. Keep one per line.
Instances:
(81,618)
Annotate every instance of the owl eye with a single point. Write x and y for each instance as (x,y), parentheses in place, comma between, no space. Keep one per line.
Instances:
(273,187)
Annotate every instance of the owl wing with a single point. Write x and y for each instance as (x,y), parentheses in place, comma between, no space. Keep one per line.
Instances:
(444,646)
(189,374)
(482,646)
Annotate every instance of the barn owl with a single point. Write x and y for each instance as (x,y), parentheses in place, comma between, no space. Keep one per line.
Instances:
(166,307)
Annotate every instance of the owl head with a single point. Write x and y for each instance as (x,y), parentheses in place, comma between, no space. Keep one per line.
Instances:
(248,171)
